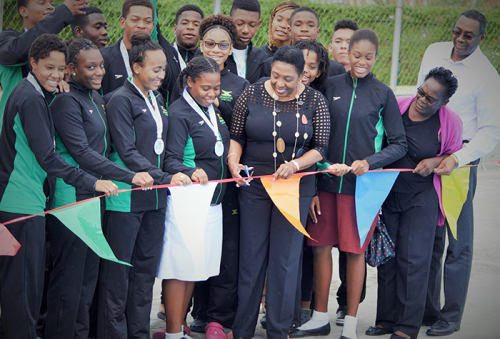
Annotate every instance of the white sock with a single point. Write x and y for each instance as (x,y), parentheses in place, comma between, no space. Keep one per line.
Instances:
(349,329)
(318,319)
(174,335)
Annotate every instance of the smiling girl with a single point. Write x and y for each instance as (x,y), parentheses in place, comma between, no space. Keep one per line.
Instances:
(367,133)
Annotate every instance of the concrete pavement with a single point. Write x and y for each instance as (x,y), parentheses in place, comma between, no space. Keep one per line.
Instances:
(482,313)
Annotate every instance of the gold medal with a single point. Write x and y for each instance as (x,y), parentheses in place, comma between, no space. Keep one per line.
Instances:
(280,145)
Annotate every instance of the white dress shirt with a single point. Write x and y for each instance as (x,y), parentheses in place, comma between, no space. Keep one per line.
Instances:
(476,101)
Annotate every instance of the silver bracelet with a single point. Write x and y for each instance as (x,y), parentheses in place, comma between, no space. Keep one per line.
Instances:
(229,156)
(296,165)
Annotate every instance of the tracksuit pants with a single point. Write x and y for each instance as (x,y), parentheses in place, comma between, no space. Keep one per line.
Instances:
(21,278)
(268,243)
(125,293)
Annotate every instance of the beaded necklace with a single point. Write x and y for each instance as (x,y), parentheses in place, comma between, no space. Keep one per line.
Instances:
(279,145)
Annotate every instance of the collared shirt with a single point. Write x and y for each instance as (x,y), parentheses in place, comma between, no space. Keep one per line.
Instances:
(477,100)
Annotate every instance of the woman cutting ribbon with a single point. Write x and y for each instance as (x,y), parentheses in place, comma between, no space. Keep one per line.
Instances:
(197,144)
(279,126)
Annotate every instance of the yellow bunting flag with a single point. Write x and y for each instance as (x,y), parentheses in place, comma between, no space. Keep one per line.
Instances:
(454,193)
(285,195)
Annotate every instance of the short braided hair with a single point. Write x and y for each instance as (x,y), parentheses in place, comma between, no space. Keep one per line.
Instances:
(197,66)
(76,46)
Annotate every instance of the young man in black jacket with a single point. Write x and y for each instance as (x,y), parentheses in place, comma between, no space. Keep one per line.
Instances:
(246,59)
(137,18)
(91,26)
(182,50)
(14,46)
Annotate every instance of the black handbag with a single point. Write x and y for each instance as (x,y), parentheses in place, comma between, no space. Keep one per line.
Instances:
(381,248)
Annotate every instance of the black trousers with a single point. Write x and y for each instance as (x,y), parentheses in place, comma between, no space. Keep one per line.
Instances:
(125,293)
(72,282)
(268,243)
(411,223)
(216,299)
(21,278)
(457,265)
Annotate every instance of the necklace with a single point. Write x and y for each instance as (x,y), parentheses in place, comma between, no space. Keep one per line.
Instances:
(279,144)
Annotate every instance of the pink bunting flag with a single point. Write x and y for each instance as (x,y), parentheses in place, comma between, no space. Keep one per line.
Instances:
(8,244)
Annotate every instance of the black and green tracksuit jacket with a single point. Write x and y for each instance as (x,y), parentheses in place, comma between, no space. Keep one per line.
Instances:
(27,153)
(366,125)
(82,139)
(231,87)
(133,135)
(190,145)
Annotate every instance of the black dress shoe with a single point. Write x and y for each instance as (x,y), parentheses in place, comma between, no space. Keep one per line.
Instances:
(263,321)
(341,313)
(443,327)
(374,330)
(323,330)
(198,325)
(395,336)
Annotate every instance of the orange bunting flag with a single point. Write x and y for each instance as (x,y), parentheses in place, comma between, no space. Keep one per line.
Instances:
(285,195)
(8,244)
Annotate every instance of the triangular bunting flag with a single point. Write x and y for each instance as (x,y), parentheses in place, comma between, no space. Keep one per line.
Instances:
(371,191)
(454,193)
(8,244)
(84,220)
(285,195)
(190,205)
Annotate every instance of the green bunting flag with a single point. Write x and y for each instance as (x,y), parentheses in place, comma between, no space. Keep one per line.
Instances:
(84,220)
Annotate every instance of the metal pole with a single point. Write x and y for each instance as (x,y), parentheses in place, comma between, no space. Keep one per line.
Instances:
(396,44)
(216,7)
(1,16)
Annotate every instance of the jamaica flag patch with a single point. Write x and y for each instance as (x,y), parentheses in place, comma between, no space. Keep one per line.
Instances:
(226,96)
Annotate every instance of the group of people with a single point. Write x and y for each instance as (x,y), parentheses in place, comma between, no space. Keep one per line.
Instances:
(80,118)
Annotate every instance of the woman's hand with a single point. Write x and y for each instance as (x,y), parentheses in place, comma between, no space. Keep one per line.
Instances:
(285,171)
(338,170)
(360,167)
(426,166)
(181,179)
(216,102)
(235,170)
(314,208)
(446,166)
(201,176)
(106,186)
(144,180)
(63,87)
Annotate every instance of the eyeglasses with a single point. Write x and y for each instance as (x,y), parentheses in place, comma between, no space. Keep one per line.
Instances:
(466,36)
(428,99)
(222,45)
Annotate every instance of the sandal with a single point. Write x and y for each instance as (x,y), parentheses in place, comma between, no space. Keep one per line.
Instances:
(214,330)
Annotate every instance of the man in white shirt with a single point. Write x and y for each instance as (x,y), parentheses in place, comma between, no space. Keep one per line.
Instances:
(477,102)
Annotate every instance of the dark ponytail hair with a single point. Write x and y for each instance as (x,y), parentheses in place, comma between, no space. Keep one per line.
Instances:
(196,67)
(76,46)
(141,43)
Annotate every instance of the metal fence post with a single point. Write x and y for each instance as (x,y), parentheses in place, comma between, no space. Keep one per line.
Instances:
(396,44)
(1,15)
(216,6)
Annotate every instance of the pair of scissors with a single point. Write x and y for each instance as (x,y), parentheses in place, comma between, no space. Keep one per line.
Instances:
(248,174)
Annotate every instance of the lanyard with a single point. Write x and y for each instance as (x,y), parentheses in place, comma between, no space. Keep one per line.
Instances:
(126,60)
(182,63)
(213,119)
(155,112)
(35,84)
(241,65)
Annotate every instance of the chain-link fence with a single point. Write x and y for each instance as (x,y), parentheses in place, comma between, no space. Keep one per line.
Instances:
(423,22)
